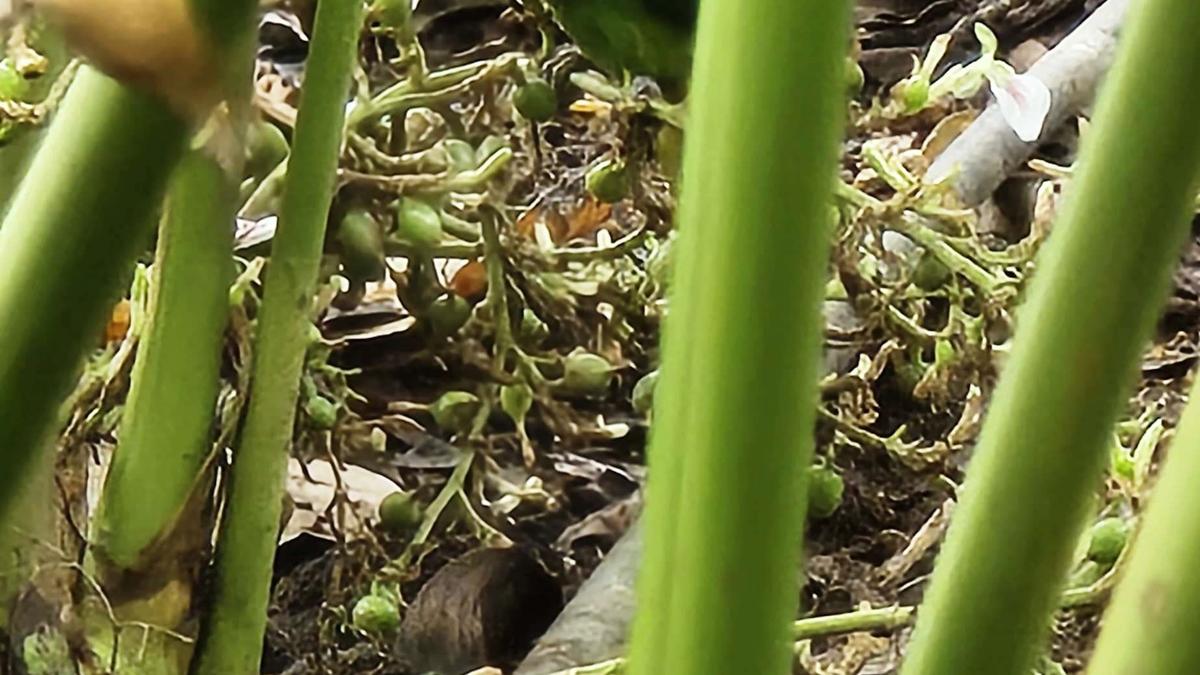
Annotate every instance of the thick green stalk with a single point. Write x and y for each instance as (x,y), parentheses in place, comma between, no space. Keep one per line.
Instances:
(1150,625)
(734,415)
(15,155)
(249,532)
(32,520)
(80,217)
(1100,285)
(166,429)
(165,432)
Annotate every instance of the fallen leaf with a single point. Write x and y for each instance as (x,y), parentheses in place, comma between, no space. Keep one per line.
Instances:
(581,223)
(587,219)
(363,490)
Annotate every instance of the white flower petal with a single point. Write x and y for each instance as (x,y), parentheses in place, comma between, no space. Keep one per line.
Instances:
(1024,102)
(250,232)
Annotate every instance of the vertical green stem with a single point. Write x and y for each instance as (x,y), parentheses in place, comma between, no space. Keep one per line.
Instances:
(249,532)
(165,432)
(734,415)
(16,152)
(1099,288)
(1150,625)
(80,217)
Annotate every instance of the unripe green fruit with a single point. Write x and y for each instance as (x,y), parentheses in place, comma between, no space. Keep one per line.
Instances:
(399,512)
(447,314)
(1108,540)
(454,411)
(516,400)
(266,147)
(532,330)
(914,94)
(930,273)
(462,155)
(376,614)
(586,373)
(362,246)
(321,411)
(608,180)
(855,79)
(536,100)
(395,14)
(825,490)
(418,223)
(643,393)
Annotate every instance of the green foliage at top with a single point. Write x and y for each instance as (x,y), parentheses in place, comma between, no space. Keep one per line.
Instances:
(642,37)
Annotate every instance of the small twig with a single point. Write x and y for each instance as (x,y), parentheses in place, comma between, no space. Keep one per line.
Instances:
(463,181)
(398,249)
(420,161)
(913,226)
(438,87)
(616,249)
(884,618)
(497,300)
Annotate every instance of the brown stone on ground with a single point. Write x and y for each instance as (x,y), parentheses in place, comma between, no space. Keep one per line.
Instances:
(484,608)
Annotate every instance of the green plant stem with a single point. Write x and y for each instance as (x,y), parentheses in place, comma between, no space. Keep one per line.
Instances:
(437,87)
(913,226)
(872,619)
(883,618)
(1101,281)
(1149,626)
(249,530)
(734,415)
(497,291)
(84,211)
(165,432)
(398,567)
(15,155)
(464,181)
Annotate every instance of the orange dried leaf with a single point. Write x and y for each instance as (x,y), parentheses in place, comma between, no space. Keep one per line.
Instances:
(585,220)
(554,222)
(528,220)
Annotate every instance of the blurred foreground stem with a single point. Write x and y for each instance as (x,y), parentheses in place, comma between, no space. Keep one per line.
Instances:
(1100,285)
(734,414)
(82,214)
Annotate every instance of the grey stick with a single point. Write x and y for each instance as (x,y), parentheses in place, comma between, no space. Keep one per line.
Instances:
(595,624)
(988,151)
